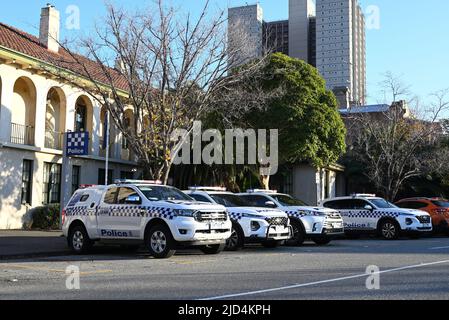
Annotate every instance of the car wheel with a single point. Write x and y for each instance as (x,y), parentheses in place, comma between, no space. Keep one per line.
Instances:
(322,241)
(160,242)
(389,230)
(213,249)
(299,234)
(79,241)
(271,244)
(236,240)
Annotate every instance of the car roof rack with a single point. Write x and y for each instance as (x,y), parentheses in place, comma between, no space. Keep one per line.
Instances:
(200,188)
(131,181)
(261,191)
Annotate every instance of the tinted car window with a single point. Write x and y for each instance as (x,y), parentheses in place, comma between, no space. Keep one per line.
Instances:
(347,204)
(158,193)
(110,196)
(124,193)
(257,200)
(412,205)
(441,203)
(338,204)
(231,200)
(199,197)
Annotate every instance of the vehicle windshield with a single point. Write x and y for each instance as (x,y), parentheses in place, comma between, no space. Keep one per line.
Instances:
(230,200)
(288,201)
(382,204)
(441,203)
(161,193)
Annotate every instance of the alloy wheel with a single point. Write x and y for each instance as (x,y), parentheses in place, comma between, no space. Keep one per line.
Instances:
(158,242)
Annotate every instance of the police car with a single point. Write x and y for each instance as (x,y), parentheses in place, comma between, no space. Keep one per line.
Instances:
(321,225)
(267,226)
(364,213)
(135,212)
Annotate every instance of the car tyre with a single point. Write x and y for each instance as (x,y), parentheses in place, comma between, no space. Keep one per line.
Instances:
(236,240)
(299,234)
(79,241)
(389,230)
(213,249)
(160,243)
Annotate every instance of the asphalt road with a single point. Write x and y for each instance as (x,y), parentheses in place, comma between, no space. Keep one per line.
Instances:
(409,269)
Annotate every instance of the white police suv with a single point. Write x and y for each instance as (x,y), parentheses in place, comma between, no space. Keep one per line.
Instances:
(135,212)
(366,213)
(267,226)
(321,225)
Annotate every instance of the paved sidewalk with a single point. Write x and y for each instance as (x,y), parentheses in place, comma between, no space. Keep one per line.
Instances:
(24,244)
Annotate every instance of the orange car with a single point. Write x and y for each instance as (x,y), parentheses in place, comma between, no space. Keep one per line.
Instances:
(438,209)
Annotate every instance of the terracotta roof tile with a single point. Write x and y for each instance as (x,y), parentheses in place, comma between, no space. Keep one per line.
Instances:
(28,44)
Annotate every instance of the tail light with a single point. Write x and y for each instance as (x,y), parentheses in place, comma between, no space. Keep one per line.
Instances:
(63,217)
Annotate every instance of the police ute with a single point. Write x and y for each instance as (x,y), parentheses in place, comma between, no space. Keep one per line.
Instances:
(318,224)
(250,224)
(132,213)
(366,213)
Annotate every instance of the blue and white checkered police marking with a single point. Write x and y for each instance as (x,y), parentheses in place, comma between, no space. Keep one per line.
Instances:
(369,214)
(79,211)
(301,213)
(77,143)
(235,215)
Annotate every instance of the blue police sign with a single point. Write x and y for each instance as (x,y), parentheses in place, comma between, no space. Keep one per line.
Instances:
(77,143)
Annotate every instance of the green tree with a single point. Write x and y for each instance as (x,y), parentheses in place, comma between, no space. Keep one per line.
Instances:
(305,113)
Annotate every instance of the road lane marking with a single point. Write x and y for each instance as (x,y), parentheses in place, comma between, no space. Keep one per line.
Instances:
(249,293)
(35,268)
(439,248)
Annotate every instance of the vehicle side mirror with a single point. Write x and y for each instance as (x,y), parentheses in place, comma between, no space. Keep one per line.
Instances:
(133,200)
(369,207)
(270,204)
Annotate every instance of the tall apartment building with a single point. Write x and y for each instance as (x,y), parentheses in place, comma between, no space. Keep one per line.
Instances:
(245,33)
(328,34)
(301,19)
(275,36)
(340,48)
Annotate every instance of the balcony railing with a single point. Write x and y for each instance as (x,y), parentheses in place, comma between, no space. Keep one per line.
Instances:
(21,134)
(54,140)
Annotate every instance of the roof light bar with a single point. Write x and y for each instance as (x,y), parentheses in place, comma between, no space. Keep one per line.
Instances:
(363,195)
(130,181)
(261,191)
(207,189)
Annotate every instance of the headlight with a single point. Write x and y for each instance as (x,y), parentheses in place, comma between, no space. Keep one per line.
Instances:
(185,212)
(255,226)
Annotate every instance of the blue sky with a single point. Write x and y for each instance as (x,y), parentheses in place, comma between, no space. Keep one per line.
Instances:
(412,40)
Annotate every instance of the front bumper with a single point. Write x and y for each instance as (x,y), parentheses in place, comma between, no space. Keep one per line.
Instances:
(413,225)
(192,232)
(271,233)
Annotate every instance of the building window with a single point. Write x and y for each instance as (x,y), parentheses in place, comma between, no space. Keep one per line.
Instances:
(52,183)
(80,117)
(76,172)
(27,178)
(102,176)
